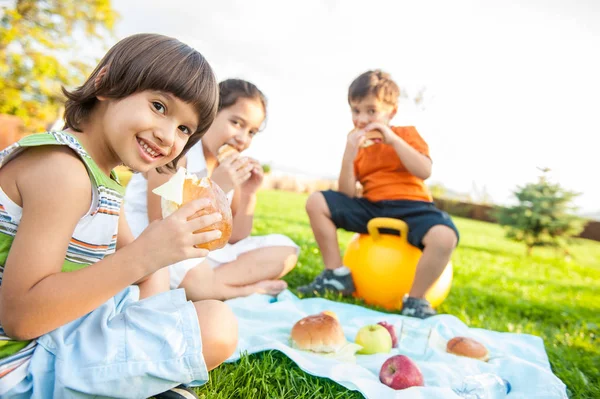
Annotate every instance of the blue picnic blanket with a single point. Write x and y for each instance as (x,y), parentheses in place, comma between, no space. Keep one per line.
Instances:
(265,324)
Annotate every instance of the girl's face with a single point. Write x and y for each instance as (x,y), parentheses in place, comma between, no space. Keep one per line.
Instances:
(235,125)
(148,129)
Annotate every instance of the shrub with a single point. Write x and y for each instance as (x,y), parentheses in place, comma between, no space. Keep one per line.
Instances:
(543,216)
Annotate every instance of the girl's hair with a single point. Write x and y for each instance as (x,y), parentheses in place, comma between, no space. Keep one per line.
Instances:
(148,62)
(231,90)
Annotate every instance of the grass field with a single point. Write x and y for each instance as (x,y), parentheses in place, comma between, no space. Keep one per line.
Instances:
(495,287)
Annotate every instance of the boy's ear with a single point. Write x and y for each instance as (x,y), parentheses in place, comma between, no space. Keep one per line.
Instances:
(393,112)
(100,76)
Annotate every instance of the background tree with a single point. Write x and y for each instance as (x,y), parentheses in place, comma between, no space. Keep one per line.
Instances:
(38,43)
(543,216)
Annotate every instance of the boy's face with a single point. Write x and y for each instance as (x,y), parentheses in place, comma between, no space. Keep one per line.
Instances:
(148,129)
(370,109)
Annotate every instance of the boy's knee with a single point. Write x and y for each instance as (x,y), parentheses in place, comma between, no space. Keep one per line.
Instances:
(441,237)
(316,204)
(219,330)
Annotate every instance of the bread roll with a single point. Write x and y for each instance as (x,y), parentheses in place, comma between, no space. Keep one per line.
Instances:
(225,151)
(463,346)
(194,188)
(372,137)
(318,333)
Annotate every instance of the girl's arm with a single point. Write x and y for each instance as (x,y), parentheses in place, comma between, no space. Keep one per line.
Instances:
(244,202)
(242,208)
(55,192)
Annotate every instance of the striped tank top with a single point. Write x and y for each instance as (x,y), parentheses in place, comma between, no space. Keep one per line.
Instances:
(94,237)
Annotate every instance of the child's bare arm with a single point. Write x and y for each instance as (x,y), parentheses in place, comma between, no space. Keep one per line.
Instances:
(36,297)
(347,180)
(242,208)
(150,285)
(416,163)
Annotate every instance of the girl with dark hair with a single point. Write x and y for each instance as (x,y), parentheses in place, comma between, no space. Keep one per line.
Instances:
(247,265)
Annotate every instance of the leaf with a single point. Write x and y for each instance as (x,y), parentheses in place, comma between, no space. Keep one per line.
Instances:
(37,38)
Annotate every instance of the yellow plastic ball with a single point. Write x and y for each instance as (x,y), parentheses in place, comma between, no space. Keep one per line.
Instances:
(383,266)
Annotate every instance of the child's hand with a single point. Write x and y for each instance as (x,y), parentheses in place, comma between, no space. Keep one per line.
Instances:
(252,185)
(356,139)
(232,172)
(388,135)
(172,239)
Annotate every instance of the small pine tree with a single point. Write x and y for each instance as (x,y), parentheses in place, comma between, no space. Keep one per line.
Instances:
(544,215)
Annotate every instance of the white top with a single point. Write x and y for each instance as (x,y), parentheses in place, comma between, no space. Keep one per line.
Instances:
(136,196)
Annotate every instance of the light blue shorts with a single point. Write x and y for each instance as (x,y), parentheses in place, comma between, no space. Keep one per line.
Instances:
(126,348)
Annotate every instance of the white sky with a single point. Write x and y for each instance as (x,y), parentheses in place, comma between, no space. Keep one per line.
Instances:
(511,84)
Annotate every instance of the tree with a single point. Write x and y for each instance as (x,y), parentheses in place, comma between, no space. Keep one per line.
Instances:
(38,39)
(543,216)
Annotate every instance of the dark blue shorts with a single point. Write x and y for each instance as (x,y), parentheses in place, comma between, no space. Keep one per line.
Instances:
(353,214)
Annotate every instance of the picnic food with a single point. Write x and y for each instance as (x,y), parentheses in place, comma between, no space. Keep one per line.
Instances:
(225,151)
(468,347)
(373,339)
(183,188)
(400,372)
(392,332)
(330,313)
(373,137)
(318,333)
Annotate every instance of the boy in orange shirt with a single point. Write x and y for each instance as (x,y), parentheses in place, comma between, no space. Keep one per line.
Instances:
(392,172)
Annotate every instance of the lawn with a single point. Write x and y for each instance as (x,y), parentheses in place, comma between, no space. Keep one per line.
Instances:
(495,287)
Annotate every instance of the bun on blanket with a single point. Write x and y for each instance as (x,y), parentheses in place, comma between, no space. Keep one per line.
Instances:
(183,188)
(463,346)
(318,333)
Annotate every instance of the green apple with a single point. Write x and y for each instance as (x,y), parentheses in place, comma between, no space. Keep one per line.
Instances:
(374,339)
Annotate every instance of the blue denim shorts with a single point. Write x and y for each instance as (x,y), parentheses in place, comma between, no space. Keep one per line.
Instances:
(353,214)
(126,348)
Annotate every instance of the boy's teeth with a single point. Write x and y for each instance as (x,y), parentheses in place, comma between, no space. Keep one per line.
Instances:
(148,149)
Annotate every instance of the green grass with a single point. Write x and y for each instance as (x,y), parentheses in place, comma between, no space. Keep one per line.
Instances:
(495,287)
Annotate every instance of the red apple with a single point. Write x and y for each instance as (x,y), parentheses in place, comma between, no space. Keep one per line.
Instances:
(392,332)
(399,372)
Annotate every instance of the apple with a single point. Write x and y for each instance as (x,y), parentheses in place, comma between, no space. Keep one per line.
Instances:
(399,372)
(392,332)
(373,339)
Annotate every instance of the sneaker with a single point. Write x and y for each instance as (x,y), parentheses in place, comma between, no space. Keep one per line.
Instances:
(417,307)
(330,281)
(179,392)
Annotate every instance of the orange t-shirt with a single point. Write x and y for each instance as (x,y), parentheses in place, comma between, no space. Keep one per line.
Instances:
(382,174)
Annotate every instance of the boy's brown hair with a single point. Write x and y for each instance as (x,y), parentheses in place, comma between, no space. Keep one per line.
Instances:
(376,83)
(149,62)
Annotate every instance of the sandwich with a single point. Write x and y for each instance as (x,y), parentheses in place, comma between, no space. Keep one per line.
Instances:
(183,188)
(372,137)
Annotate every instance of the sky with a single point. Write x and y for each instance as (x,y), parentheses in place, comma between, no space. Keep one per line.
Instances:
(510,85)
